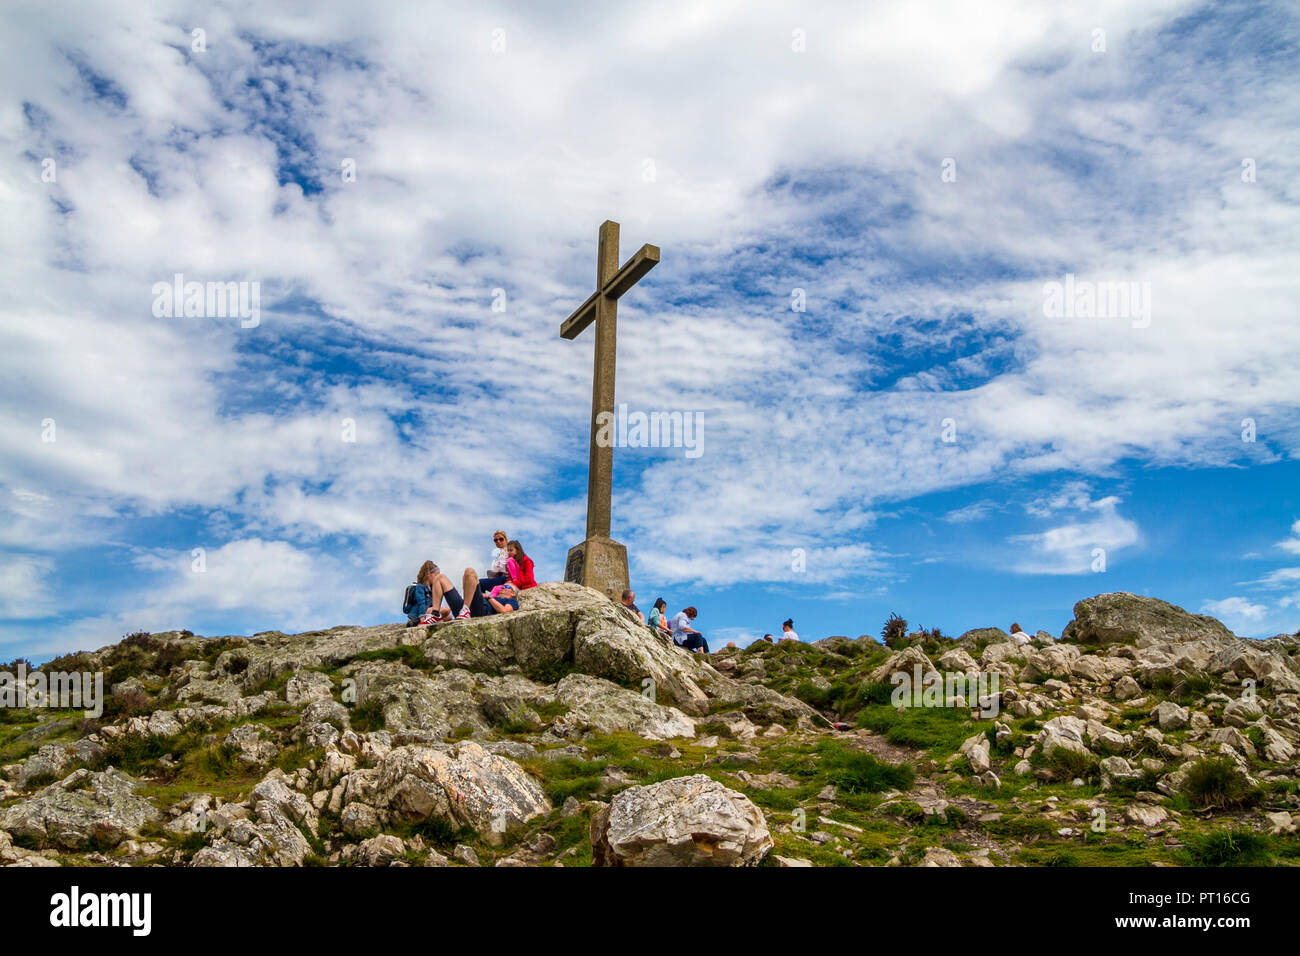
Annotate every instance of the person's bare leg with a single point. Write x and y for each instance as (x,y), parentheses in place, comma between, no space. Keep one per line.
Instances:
(471,585)
(440,586)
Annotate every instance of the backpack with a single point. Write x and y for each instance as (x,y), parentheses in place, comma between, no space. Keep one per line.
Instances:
(408,600)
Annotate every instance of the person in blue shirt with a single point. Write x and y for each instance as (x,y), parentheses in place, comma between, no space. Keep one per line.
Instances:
(424,598)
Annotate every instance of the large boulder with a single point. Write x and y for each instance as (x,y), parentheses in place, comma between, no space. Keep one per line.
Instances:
(56,760)
(608,643)
(273,839)
(1121,618)
(761,704)
(421,707)
(85,809)
(463,784)
(686,821)
(906,662)
(596,704)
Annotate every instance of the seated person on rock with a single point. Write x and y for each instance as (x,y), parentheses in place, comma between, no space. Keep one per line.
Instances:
(424,598)
(628,600)
(686,636)
(502,599)
(659,616)
(519,567)
(498,572)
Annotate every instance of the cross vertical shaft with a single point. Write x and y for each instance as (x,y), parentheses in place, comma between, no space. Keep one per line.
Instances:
(600,562)
(600,466)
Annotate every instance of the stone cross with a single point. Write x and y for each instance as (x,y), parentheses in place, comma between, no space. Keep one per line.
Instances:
(600,562)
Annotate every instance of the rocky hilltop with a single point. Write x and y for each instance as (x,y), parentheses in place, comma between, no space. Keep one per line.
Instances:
(569,734)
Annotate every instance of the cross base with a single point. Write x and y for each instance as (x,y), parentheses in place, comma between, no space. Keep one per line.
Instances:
(599,563)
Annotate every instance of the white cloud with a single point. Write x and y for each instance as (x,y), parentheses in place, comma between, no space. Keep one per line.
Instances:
(972,512)
(1292,544)
(478,170)
(1235,609)
(1072,548)
(25,587)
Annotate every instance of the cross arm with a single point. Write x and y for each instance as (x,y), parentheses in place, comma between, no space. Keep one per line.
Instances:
(646,258)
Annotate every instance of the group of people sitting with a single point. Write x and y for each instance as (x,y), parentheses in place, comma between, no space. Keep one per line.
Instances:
(433,598)
(678,628)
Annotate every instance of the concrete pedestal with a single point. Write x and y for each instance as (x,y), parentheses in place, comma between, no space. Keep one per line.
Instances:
(599,563)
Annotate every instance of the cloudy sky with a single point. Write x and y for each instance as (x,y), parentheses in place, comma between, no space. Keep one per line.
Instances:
(862,208)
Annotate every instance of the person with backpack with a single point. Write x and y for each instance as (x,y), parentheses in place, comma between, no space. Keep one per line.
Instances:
(422,603)
(519,567)
(684,635)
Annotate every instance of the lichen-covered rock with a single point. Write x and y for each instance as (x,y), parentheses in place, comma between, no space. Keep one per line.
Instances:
(686,821)
(253,744)
(84,809)
(306,686)
(608,643)
(595,704)
(272,840)
(906,662)
(422,708)
(55,760)
(464,784)
(1121,617)
(322,723)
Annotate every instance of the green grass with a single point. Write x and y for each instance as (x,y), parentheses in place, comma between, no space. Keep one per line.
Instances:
(367,716)
(1228,848)
(409,654)
(940,730)
(857,773)
(1071,765)
(568,777)
(1216,782)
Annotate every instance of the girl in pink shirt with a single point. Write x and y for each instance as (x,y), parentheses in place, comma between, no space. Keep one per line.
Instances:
(519,567)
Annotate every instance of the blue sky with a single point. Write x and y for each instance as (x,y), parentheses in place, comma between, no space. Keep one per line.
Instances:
(926,435)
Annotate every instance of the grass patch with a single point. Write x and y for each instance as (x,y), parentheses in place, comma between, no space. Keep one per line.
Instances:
(367,716)
(1216,782)
(408,654)
(1227,848)
(941,730)
(855,772)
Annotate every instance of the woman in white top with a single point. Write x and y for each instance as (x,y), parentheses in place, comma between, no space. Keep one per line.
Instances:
(787,630)
(498,573)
